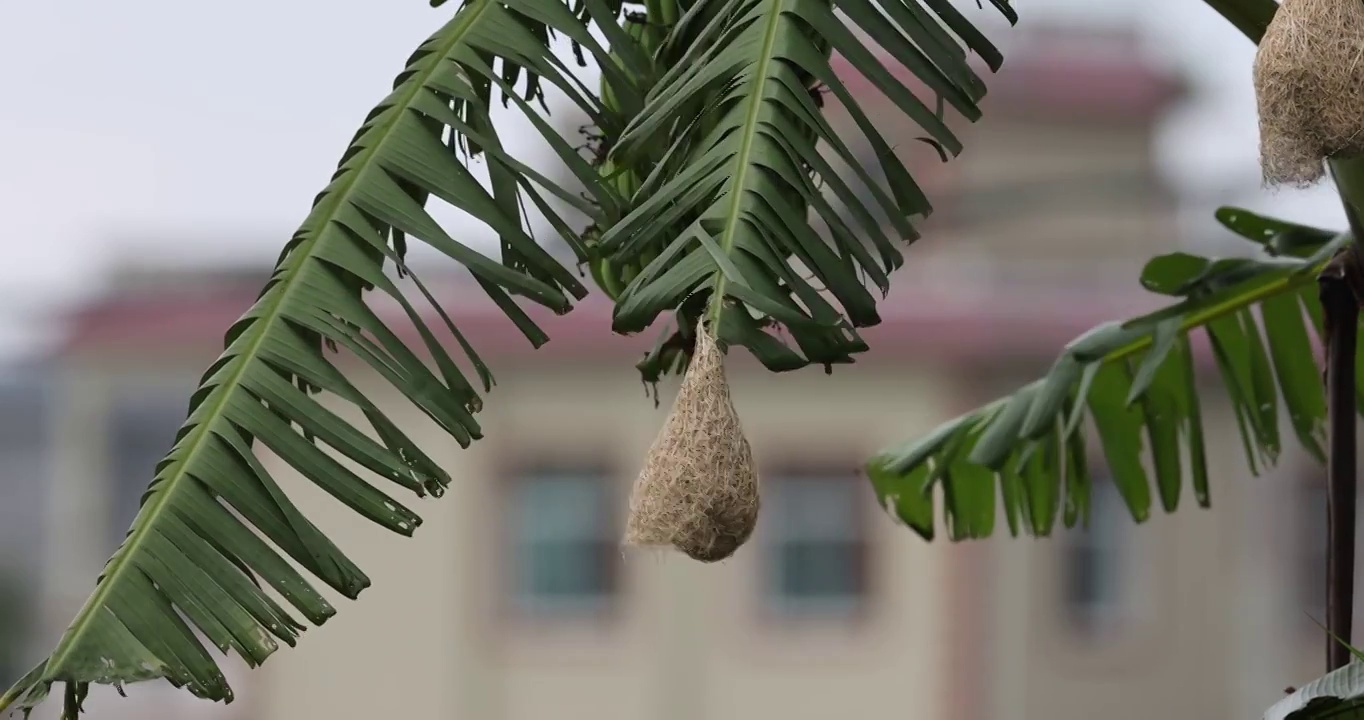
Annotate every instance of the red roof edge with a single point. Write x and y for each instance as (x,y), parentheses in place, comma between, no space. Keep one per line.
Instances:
(918,325)
(1053,81)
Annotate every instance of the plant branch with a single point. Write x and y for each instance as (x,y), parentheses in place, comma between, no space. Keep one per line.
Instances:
(1188,322)
(1341,284)
(1341,314)
(1340,299)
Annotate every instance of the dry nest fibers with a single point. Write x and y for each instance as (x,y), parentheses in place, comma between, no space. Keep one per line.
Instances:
(1309,85)
(698,491)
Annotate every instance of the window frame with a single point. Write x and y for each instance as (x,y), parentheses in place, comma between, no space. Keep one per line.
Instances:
(124,402)
(1098,615)
(511,479)
(1102,626)
(772,611)
(1307,567)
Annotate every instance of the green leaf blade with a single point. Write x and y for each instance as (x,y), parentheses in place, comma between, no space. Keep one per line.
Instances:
(1036,437)
(215,527)
(1120,428)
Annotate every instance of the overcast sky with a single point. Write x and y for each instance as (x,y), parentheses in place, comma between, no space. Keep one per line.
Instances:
(190,131)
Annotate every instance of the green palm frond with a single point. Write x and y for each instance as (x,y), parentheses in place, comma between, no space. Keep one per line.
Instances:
(194,564)
(1338,694)
(642,35)
(1135,381)
(730,134)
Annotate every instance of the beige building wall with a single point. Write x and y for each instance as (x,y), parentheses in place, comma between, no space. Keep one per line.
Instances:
(1169,648)
(435,634)
(1209,620)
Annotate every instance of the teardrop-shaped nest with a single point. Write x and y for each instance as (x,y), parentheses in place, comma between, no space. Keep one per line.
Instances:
(1309,86)
(698,491)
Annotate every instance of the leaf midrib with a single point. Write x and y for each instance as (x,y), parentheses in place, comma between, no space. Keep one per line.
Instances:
(1192,321)
(262,326)
(750,131)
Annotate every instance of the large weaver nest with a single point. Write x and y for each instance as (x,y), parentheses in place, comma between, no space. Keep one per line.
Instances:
(698,491)
(1309,85)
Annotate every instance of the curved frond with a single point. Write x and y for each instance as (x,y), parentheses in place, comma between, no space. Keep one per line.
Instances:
(729,138)
(1338,694)
(193,567)
(1135,381)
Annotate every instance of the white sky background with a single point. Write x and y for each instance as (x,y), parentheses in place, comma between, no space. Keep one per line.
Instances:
(174,132)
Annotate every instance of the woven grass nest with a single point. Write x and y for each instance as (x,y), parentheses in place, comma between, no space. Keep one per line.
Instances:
(698,491)
(1309,86)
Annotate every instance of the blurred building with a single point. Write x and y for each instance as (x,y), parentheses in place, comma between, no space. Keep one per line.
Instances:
(514,602)
(23,482)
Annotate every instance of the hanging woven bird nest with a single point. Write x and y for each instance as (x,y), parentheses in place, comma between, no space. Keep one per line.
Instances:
(1309,84)
(698,491)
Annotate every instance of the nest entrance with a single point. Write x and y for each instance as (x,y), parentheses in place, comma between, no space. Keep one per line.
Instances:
(1309,87)
(698,491)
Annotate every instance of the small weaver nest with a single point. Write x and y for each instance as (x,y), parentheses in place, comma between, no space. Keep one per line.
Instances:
(698,491)
(1309,86)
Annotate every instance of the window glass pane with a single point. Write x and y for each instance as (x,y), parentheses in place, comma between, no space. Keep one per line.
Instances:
(141,431)
(1311,545)
(13,627)
(816,507)
(820,569)
(564,541)
(23,486)
(563,569)
(561,506)
(816,544)
(1094,562)
(23,481)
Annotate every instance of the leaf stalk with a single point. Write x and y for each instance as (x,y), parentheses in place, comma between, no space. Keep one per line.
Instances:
(1341,282)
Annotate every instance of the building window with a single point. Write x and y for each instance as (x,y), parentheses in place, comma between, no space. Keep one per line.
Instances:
(13,627)
(142,428)
(1310,560)
(1096,564)
(24,448)
(564,539)
(817,544)
(1009,201)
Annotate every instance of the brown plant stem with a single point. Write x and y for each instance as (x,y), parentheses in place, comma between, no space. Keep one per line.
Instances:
(1340,284)
(1341,312)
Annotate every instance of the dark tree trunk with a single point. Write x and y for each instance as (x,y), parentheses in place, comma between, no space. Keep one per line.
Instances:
(1341,314)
